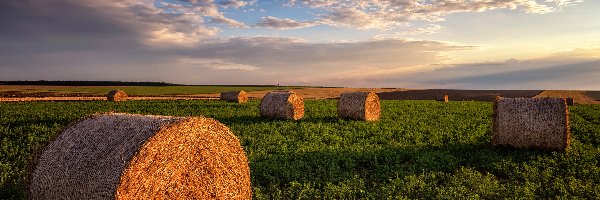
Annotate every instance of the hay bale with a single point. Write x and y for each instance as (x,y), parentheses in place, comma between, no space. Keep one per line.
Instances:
(570,101)
(443,98)
(531,123)
(282,105)
(116,95)
(234,96)
(359,106)
(127,156)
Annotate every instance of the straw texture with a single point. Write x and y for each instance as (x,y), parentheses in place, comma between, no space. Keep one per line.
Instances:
(443,98)
(234,96)
(282,105)
(531,123)
(123,156)
(359,106)
(116,95)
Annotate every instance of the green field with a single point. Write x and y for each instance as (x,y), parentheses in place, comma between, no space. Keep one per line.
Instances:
(135,90)
(420,149)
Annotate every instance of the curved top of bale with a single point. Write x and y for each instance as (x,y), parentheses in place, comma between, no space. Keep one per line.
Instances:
(282,104)
(127,156)
(116,95)
(359,105)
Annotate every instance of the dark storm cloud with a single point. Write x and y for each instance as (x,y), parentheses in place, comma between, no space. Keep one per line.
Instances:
(33,26)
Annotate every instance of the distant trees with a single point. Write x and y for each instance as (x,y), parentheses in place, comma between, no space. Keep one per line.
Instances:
(86,83)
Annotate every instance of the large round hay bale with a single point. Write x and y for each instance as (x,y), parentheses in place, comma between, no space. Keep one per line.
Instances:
(116,95)
(531,123)
(359,106)
(123,156)
(234,96)
(282,105)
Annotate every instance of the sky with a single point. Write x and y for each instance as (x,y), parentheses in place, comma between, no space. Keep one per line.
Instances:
(455,44)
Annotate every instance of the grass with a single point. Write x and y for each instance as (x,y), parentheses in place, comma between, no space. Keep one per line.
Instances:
(135,90)
(420,149)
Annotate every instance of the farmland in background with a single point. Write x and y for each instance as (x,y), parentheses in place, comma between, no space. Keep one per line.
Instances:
(43,91)
(420,149)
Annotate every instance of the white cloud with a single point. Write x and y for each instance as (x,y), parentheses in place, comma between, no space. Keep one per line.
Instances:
(213,64)
(386,14)
(277,23)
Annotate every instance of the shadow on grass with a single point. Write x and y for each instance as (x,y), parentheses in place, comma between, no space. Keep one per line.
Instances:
(378,166)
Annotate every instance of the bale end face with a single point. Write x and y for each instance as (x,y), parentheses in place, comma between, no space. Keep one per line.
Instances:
(359,106)
(116,95)
(531,123)
(282,105)
(234,96)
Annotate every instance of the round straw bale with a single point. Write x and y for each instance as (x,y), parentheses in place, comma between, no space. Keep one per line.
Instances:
(443,98)
(359,106)
(124,156)
(570,101)
(282,105)
(531,123)
(234,96)
(116,95)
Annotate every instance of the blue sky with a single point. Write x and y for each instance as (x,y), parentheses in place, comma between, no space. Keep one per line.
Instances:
(471,44)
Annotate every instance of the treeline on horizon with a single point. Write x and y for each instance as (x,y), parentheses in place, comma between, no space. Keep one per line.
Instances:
(87,83)
(120,83)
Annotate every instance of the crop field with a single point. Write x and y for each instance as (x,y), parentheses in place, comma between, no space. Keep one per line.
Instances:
(33,90)
(419,149)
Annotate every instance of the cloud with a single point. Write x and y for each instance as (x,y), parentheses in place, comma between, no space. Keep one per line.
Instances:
(565,70)
(167,22)
(387,14)
(277,23)
(235,3)
(174,41)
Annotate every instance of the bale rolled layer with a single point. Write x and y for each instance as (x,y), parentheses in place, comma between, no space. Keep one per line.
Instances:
(359,106)
(116,95)
(234,96)
(531,123)
(282,105)
(123,156)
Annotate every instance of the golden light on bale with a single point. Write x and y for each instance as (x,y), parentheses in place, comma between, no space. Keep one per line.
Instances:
(117,95)
(531,123)
(234,96)
(282,105)
(443,98)
(123,156)
(359,106)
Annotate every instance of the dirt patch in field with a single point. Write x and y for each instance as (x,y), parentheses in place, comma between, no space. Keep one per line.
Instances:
(579,97)
(456,95)
(593,94)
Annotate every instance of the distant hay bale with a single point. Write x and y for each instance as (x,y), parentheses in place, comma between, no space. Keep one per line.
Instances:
(570,101)
(443,98)
(282,105)
(234,96)
(123,156)
(359,106)
(117,95)
(531,123)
